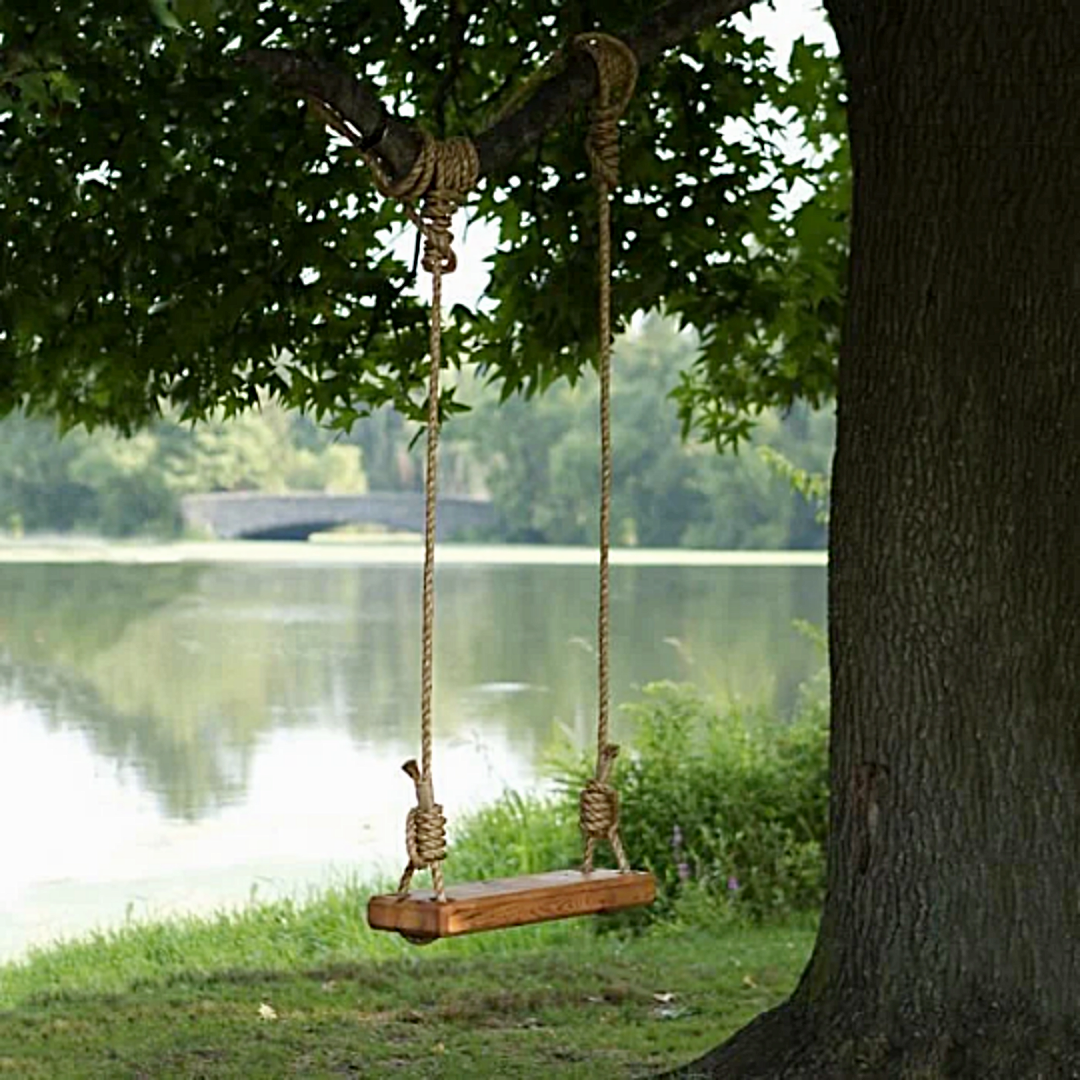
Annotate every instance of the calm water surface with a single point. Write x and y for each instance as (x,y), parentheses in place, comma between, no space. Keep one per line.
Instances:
(182,725)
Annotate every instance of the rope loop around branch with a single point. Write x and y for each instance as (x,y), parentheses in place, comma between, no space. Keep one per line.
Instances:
(441,178)
(616,72)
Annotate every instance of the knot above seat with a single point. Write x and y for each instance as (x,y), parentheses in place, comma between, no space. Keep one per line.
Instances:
(425,836)
(425,833)
(599,812)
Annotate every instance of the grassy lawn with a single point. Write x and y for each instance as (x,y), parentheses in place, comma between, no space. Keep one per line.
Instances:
(558,1001)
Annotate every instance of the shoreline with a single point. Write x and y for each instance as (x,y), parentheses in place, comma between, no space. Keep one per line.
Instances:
(364,553)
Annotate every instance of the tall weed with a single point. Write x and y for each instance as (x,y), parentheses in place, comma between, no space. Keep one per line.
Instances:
(517,834)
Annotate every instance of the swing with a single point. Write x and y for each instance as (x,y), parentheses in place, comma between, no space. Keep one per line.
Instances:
(443,174)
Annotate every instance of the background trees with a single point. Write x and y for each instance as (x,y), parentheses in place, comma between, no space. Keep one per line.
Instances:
(539,461)
(101,482)
(536,459)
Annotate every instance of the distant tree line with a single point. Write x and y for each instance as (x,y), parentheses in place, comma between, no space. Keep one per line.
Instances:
(535,458)
(101,483)
(539,459)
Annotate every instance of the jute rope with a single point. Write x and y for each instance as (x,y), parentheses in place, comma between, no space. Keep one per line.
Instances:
(616,68)
(442,176)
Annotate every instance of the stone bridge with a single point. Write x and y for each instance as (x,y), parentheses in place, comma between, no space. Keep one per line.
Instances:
(296,515)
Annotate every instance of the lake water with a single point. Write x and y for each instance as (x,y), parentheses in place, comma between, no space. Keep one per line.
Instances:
(183,724)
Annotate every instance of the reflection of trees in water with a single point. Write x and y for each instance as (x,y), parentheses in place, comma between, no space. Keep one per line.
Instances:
(178,675)
(68,613)
(188,777)
(60,630)
(179,671)
(727,629)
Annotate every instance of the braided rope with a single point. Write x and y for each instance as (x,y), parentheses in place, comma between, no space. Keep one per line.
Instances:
(442,176)
(616,70)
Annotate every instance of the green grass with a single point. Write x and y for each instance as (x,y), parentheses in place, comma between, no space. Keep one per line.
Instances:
(726,807)
(269,936)
(240,996)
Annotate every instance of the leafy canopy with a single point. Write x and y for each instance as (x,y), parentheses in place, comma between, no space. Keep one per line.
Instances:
(176,231)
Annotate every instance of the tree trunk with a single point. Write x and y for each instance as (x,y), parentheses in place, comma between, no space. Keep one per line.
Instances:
(950,940)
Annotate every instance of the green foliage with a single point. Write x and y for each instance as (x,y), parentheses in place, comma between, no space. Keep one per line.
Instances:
(727,807)
(540,461)
(731,802)
(263,451)
(773,338)
(37,490)
(131,493)
(812,486)
(178,235)
(103,483)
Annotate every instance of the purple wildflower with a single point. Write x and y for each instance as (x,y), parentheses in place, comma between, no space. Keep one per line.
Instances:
(685,874)
(733,884)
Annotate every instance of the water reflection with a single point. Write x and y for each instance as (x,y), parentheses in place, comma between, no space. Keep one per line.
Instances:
(178,671)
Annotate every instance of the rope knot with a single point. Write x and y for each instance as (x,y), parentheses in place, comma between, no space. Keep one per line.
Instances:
(425,837)
(442,176)
(599,805)
(435,219)
(599,811)
(425,829)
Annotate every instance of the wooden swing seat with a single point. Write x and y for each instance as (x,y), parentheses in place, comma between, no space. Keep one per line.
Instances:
(504,902)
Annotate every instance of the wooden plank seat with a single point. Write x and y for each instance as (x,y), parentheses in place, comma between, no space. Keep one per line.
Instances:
(504,902)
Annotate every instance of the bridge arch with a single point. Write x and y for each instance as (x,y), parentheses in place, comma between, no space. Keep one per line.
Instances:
(296,515)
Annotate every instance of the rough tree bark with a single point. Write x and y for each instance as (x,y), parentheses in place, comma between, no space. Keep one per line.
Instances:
(950,941)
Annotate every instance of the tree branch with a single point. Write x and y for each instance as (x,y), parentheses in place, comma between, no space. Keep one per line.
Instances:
(500,146)
(354,101)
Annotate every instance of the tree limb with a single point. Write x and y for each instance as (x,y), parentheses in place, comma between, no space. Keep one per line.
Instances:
(499,147)
(457,24)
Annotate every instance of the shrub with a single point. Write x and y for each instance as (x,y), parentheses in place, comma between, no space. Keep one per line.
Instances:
(728,808)
(734,801)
